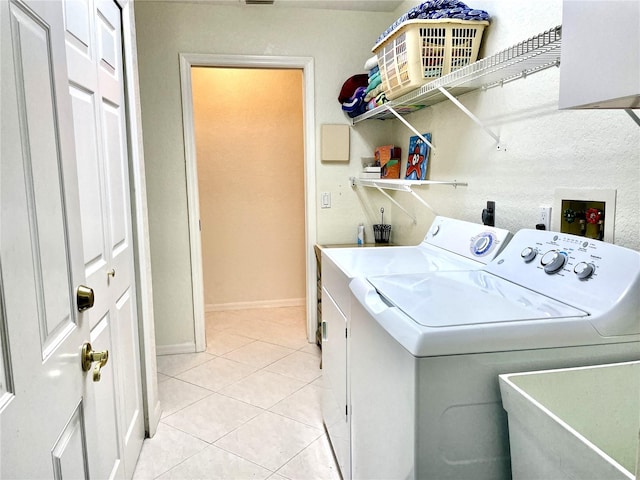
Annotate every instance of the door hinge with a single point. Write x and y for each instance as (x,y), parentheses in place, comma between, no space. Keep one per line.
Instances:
(346,333)
(346,410)
(200,225)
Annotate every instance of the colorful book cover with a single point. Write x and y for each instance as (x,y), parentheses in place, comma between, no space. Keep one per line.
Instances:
(418,159)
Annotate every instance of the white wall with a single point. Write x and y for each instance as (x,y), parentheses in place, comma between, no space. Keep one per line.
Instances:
(339,41)
(547,148)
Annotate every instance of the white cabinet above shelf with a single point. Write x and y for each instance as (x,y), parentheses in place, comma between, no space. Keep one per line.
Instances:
(403,186)
(527,57)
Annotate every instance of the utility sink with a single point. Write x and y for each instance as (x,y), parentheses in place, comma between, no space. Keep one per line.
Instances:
(574,423)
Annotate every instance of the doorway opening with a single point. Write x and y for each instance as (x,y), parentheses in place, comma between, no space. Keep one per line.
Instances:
(251,185)
(250,152)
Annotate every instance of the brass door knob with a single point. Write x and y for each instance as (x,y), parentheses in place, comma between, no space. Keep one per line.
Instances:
(89,357)
(84,298)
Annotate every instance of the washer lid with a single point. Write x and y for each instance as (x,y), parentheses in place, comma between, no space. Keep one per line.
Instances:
(445,299)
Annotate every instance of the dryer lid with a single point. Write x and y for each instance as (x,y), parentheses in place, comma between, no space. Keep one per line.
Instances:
(364,262)
(446,299)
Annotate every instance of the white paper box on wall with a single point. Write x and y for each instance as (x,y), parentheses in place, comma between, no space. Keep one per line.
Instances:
(335,143)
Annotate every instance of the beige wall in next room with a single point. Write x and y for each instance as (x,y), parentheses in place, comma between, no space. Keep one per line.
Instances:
(250,154)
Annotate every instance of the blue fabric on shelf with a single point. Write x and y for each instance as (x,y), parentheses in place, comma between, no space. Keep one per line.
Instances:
(434,9)
(355,105)
(375,70)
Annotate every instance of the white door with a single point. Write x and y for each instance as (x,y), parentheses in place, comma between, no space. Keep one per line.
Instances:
(44,406)
(55,422)
(96,85)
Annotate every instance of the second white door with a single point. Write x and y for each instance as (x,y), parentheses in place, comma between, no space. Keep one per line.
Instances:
(96,84)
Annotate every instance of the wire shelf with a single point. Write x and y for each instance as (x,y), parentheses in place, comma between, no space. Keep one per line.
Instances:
(525,58)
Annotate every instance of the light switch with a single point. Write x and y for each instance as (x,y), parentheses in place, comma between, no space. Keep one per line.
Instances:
(325,200)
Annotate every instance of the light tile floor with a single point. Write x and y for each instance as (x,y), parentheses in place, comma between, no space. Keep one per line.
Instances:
(247,408)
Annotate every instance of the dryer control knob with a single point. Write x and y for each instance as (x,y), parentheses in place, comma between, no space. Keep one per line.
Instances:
(553,261)
(481,244)
(584,270)
(529,254)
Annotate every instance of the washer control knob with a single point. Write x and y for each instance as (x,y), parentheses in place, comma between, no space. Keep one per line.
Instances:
(584,270)
(553,261)
(529,254)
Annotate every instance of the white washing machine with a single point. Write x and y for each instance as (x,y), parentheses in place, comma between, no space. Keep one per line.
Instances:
(450,244)
(426,350)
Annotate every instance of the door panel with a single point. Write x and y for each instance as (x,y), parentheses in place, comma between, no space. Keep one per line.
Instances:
(69,454)
(89,169)
(105,438)
(115,179)
(131,412)
(43,177)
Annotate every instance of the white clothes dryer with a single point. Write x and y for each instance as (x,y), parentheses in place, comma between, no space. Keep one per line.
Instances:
(450,244)
(427,349)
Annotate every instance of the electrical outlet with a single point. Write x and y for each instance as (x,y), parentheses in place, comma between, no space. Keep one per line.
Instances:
(545,217)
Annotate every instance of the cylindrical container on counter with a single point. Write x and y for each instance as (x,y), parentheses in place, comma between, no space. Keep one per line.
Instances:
(361,234)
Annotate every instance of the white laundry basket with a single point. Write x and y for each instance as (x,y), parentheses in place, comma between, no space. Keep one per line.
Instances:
(419,51)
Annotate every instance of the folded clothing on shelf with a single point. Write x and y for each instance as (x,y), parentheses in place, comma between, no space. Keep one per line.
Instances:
(434,9)
(371,63)
(355,105)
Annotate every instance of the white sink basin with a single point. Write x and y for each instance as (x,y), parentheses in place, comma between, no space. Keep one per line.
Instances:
(576,423)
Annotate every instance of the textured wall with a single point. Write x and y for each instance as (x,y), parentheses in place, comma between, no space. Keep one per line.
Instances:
(546,148)
(251,183)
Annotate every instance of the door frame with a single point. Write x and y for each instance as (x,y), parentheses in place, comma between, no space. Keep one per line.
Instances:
(188,60)
(140,222)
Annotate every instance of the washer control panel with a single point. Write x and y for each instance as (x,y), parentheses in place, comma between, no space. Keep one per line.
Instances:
(570,268)
(562,251)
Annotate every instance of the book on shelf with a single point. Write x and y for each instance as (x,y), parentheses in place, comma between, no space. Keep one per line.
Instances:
(418,159)
(388,157)
(370,175)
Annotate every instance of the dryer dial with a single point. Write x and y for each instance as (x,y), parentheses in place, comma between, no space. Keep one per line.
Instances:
(584,270)
(553,261)
(529,254)
(482,244)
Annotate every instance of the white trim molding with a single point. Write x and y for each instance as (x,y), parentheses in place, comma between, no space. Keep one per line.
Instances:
(286,302)
(188,60)
(140,224)
(188,347)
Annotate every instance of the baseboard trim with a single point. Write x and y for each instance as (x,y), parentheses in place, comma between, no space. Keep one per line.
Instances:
(287,302)
(188,347)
